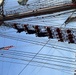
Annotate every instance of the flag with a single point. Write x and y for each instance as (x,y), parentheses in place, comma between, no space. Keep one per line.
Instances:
(6,48)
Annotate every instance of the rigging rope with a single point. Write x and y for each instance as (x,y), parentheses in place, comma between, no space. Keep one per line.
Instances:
(40,62)
(35,65)
(33,58)
(38,43)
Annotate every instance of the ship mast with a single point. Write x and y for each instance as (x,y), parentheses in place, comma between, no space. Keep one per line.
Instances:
(48,10)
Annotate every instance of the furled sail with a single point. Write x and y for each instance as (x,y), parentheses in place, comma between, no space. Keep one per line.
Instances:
(1,2)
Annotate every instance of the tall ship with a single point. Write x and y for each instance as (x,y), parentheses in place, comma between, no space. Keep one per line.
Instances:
(37,37)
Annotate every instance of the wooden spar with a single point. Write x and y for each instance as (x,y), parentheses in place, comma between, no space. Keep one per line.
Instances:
(44,11)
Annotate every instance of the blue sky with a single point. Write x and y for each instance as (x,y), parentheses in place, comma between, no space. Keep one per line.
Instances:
(13,61)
